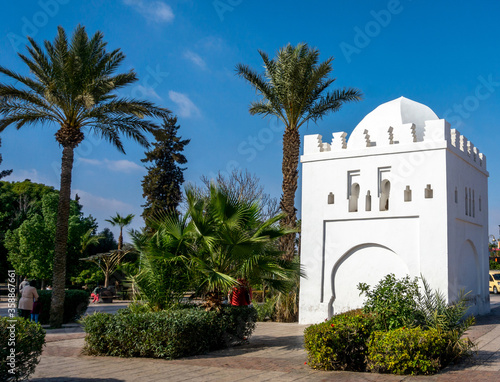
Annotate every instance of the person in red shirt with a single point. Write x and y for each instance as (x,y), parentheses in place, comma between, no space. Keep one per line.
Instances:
(241,295)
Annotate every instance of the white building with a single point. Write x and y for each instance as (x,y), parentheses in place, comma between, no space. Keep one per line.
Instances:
(404,195)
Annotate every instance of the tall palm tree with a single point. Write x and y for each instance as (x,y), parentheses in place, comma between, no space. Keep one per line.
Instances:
(293,89)
(120,221)
(71,86)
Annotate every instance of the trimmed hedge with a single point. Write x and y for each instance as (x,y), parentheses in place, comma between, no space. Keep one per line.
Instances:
(75,305)
(27,338)
(339,343)
(166,334)
(407,351)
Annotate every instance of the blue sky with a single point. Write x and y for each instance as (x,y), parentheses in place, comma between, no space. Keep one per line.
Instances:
(443,54)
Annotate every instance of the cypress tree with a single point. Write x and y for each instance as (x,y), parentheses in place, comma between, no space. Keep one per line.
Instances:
(162,184)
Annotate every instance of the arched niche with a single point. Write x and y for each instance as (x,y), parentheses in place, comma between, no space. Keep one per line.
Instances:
(354,198)
(365,263)
(466,276)
(385,190)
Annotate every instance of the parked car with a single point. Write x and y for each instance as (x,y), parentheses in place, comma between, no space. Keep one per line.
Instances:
(495,281)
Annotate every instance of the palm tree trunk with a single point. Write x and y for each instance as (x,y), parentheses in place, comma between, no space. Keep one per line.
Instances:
(120,239)
(291,149)
(59,270)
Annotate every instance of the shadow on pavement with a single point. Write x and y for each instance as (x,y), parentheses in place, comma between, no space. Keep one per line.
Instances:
(68,379)
(480,358)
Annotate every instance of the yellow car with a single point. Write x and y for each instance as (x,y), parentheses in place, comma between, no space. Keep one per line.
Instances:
(495,281)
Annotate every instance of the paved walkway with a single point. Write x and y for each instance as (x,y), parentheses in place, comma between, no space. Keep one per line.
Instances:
(274,353)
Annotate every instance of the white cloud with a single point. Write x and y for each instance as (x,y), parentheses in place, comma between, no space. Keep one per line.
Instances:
(32,174)
(123,165)
(107,206)
(94,162)
(114,165)
(186,107)
(152,10)
(195,59)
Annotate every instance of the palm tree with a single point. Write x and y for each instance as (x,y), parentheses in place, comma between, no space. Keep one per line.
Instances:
(293,89)
(218,240)
(71,86)
(120,221)
(88,239)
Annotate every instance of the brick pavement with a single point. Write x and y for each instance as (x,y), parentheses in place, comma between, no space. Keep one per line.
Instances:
(274,353)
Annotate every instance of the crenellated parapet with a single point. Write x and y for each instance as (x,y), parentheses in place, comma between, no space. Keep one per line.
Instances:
(466,149)
(401,135)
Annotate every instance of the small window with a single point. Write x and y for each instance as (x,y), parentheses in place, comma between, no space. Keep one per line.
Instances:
(470,203)
(473,204)
(429,192)
(385,189)
(456,195)
(331,198)
(480,204)
(353,198)
(466,203)
(407,194)
(368,201)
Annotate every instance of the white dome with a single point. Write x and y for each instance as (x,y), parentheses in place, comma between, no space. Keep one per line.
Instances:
(390,114)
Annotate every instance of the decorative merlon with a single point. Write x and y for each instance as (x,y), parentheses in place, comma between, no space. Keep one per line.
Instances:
(482,160)
(367,138)
(455,137)
(470,149)
(391,135)
(435,131)
(463,144)
(339,140)
(312,144)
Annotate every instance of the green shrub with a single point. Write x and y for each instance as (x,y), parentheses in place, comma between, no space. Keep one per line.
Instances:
(339,343)
(265,311)
(239,322)
(166,334)
(436,313)
(407,351)
(494,265)
(28,341)
(393,302)
(75,305)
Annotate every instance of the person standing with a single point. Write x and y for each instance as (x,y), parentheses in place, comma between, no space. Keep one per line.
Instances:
(36,310)
(241,295)
(24,283)
(28,295)
(95,294)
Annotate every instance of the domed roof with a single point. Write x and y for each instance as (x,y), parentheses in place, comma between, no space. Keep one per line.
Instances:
(390,114)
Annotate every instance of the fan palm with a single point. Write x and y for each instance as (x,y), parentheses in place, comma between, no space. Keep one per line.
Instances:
(221,239)
(293,89)
(120,221)
(71,86)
